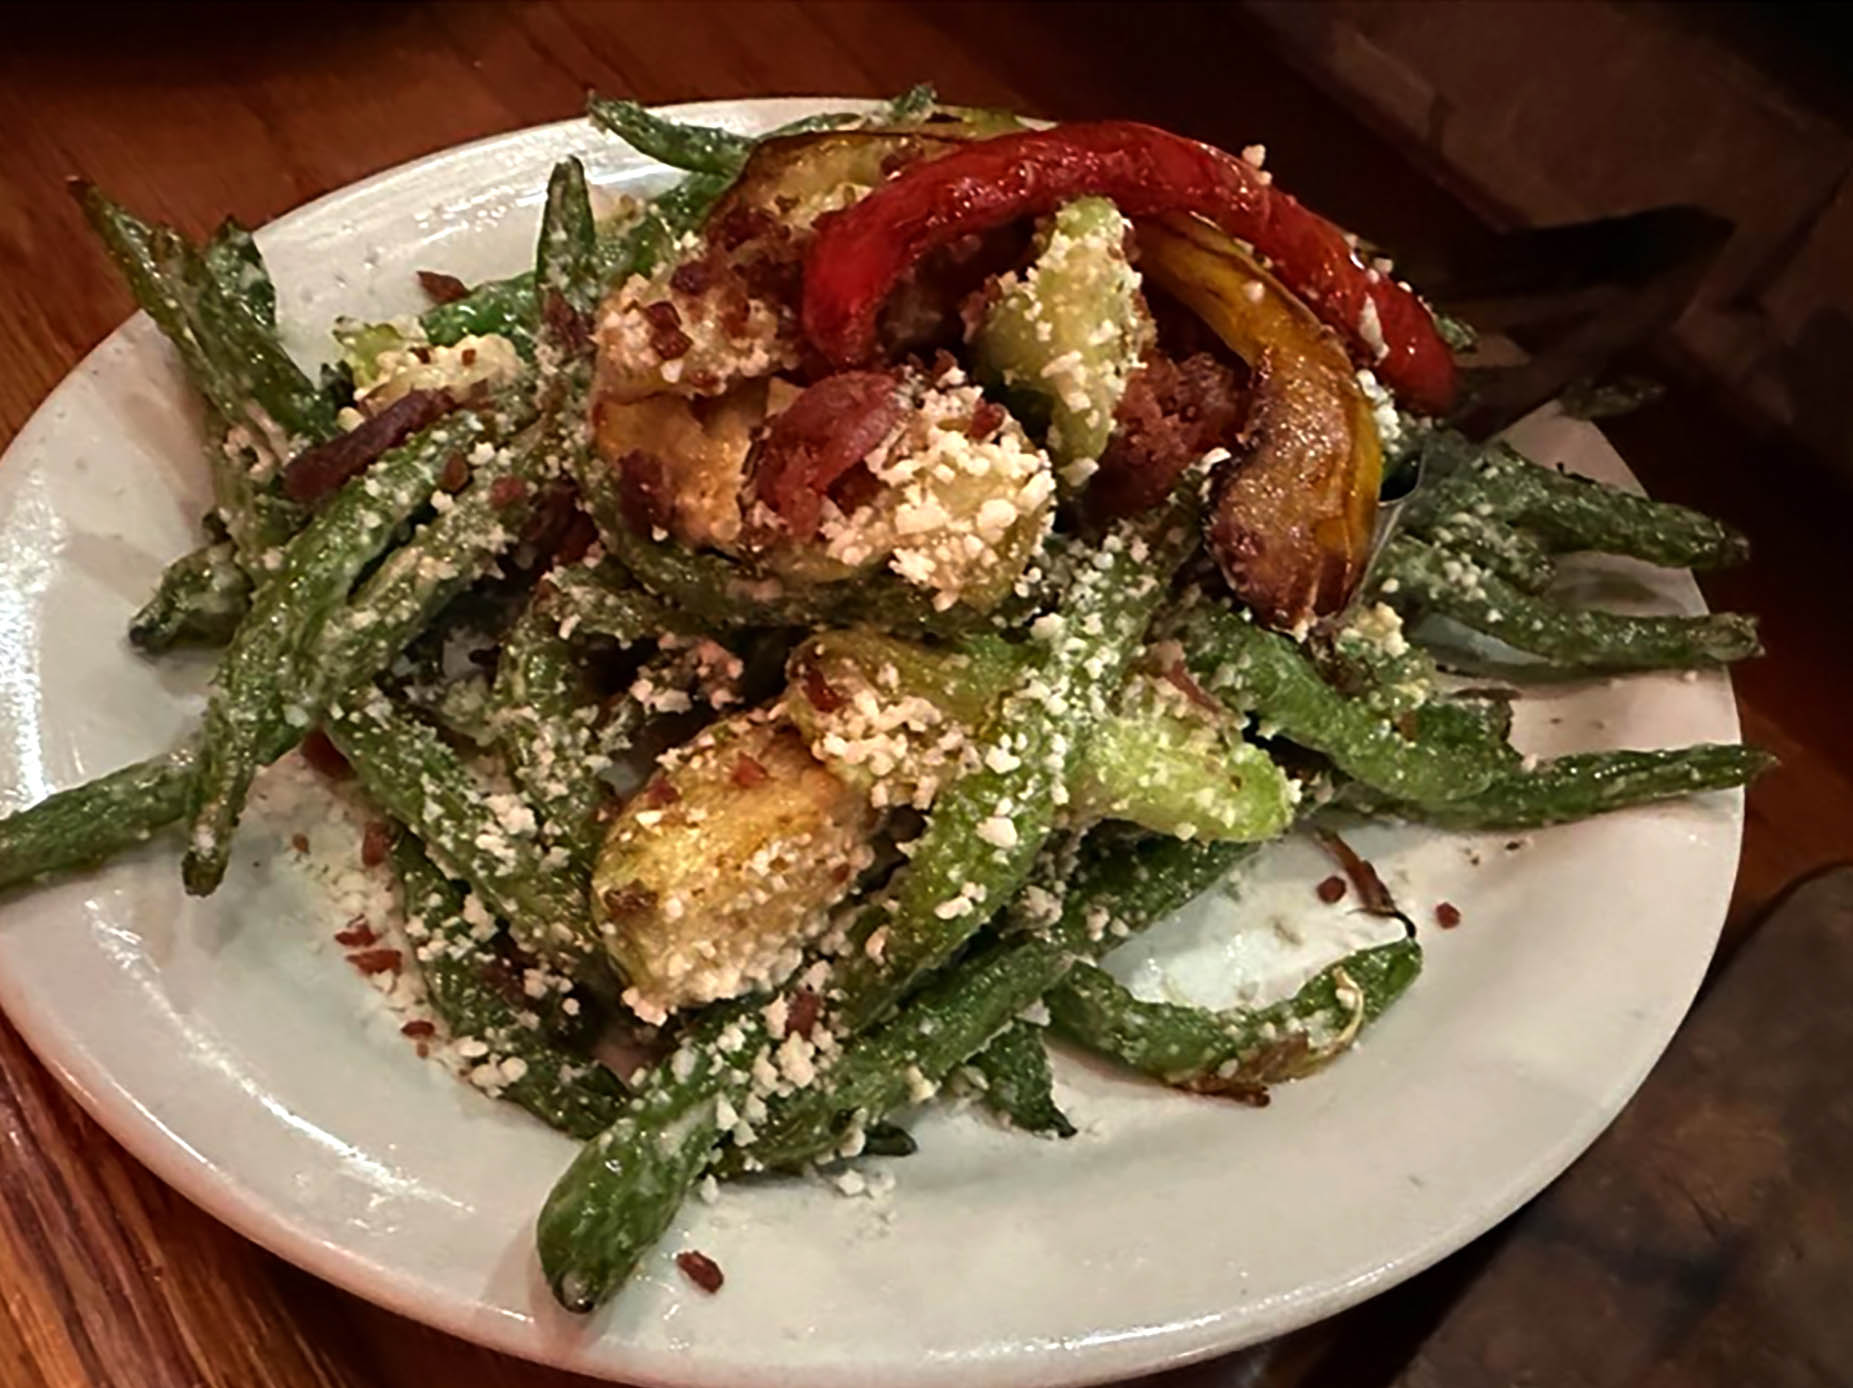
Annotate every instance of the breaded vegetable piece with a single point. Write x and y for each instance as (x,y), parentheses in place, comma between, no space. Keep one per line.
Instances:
(720,869)
(1062,338)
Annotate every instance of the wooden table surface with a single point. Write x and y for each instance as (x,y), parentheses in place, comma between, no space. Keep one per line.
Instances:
(190,112)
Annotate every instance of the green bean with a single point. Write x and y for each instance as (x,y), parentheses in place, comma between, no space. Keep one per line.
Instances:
(910,107)
(504,307)
(1238,661)
(696,148)
(236,263)
(1017,1083)
(1576,513)
(707,149)
(157,267)
(544,724)
(264,668)
(231,333)
(443,557)
(1240,1051)
(1574,787)
(202,598)
(1109,898)
(1514,555)
(620,1192)
(987,826)
(129,242)
(82,827)
(486,840)
(1417,576)
(602,601)
(509,307)
(1368,659)
(575,1095)
(566,255)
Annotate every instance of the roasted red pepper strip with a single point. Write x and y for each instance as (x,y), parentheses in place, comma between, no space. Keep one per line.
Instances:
(860,253)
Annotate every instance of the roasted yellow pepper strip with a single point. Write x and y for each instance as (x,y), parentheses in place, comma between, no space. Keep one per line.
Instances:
(1294,515)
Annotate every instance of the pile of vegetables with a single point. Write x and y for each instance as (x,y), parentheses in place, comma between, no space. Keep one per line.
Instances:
(966,540)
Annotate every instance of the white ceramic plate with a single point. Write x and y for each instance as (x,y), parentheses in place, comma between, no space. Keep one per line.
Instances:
(227,1045)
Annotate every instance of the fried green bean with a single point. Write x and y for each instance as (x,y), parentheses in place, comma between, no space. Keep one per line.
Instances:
(1018,1085)
(88,824)
(620,1192)
(988,825)
(1260,670)
(1240,1051)
(1420,577)
(202,597)
(1109,899)
(1575,513)
(259,684)
(575,1094)
(488,840)
(510,307)
(602,601)
(1563,789)
(695,148)
(544,723)
(1514,555)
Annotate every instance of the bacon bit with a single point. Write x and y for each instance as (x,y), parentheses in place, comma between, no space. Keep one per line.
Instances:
(622,901)
(551,515)
(504,978)
(749,772)
(566,326)
(1243,1091)
(661,791)
(1447,915)
(377,961)
(1374,896)
(986,420)
(325,757)
(375,842)
(801,1015)
(506,491)
(817,689)
(830,428)
(319,471)
(356,934)
(455,475)
(692,276)
(1170,414)
(299,842)
(1332,889)
(441,288)
(645,493)
(700,1269)
(577,537)
(667,339)
(740,224)
(417,1029)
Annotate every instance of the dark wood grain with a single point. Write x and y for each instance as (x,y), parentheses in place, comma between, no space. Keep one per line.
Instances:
(193,111)
(1706,1240)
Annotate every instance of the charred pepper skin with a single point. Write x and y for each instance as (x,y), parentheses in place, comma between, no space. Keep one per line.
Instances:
(860,253)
